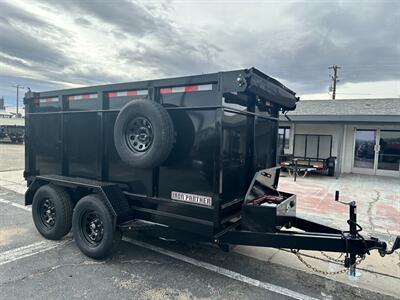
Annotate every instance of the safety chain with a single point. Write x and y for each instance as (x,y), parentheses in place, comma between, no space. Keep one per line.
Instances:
(332,258)
(301,259)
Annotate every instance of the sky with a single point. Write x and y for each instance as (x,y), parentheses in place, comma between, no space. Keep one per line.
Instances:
(49,44)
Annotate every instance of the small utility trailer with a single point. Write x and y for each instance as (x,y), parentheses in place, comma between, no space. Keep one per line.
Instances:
(190,158)
(311,153)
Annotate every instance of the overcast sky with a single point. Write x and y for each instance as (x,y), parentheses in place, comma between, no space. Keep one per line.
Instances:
(53,44)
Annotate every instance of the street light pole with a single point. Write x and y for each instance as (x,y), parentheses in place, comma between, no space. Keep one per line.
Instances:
(18,87)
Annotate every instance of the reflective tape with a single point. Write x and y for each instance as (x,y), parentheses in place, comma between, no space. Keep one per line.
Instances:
(186,89)
(127,93)
(46,100)
(82,97)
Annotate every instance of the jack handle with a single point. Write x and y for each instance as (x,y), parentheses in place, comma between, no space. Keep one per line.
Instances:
(337,199)
(353,226)
(396,245)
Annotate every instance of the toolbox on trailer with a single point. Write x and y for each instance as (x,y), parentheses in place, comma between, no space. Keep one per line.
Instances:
(190,158)
(265,209)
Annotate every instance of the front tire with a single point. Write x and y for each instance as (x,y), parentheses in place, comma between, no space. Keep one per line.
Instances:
(93,228)
(52,211)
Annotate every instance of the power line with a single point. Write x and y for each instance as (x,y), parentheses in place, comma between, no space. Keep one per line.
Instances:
(334,80)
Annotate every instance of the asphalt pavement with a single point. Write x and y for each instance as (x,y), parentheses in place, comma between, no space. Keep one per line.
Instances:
(143,268)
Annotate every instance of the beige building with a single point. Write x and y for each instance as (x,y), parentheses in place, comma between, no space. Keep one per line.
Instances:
(362,134)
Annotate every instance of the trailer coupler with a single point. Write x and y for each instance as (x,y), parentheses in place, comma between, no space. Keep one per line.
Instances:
(313,236)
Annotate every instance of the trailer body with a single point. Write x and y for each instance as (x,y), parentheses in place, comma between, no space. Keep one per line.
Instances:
(215,178)
(219,144)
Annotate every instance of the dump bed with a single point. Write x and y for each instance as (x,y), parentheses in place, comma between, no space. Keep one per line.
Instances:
(225,130)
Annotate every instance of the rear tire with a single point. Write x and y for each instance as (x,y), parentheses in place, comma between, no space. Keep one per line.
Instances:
(52,211)
(93,228)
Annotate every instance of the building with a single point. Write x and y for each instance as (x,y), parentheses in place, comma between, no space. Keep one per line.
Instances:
(13,110)
(362,134)
(5,114)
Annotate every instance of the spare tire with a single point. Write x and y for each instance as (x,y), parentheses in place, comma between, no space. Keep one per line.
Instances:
(143,134)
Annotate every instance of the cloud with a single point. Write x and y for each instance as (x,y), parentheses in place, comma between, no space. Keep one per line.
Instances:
(157,43)
(20,36)
(128,16)
(83,21)
(23,46)
(364,41)
(92,42)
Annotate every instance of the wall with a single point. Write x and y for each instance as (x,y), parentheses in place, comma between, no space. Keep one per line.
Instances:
(349,142)
(328,129)
(346,148)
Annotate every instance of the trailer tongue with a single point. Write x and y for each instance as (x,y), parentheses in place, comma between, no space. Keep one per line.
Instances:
(266,211)
(190,158)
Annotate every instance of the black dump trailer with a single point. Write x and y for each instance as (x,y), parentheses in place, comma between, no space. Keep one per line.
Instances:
(190,158)
(14,132)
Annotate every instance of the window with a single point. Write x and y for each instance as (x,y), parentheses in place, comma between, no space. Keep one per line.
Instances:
(283,139)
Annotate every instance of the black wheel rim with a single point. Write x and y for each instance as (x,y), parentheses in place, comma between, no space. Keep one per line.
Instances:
(92,227)
(139,134)
(47,212)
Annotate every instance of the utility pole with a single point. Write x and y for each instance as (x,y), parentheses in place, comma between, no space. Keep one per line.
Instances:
(18,87)
(334,80)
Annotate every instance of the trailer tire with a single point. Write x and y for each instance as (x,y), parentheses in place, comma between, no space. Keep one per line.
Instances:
(52,211)
(331,171)
(143,134)
(93,228)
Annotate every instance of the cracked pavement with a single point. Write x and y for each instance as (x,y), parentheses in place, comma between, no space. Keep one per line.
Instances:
(64,272)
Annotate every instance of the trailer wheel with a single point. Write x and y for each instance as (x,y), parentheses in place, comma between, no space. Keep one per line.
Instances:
(143,134)
(93,228)
(52,211)
(331,171)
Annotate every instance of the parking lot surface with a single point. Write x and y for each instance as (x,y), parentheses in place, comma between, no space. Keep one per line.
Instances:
(148,268)
(144,268)
(377,198)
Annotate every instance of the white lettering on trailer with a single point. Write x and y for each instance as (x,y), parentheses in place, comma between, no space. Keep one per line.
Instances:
(197,199)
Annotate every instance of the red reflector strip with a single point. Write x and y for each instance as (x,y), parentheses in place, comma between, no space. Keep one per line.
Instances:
(82,97)
(46,100)
(166,91)
(186,89)
(127,93)
(191,88)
